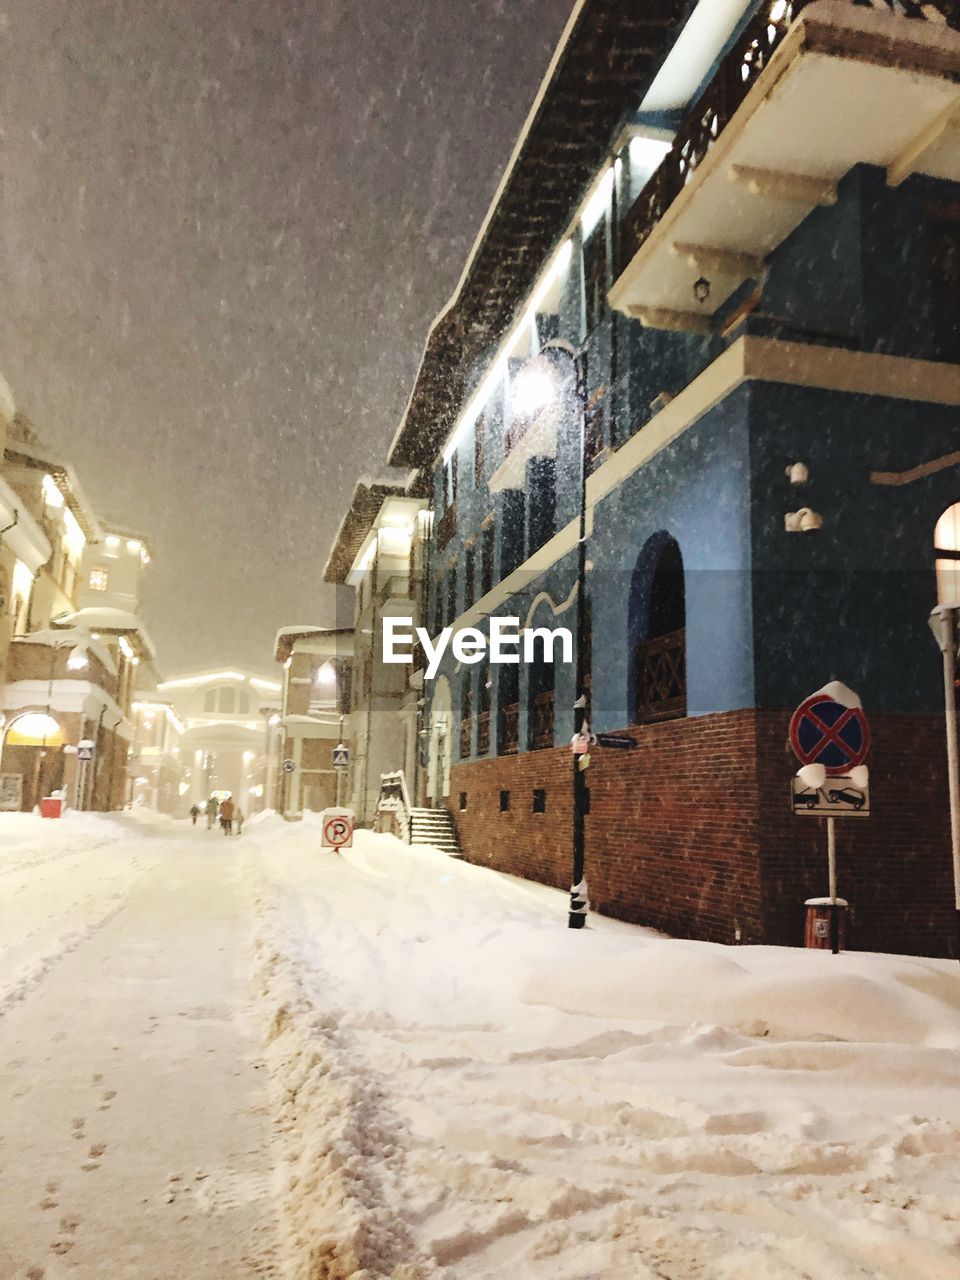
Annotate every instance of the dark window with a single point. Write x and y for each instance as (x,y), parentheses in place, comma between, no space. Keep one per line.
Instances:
(479,443)
(541,503)
(943,236)
(452,477)
(511,533)
(466,718)
(486,559)
(483,712)
(541,707)
(463,801)
(508,703)
(595,275)
(451,597)
(504,801)
(469,568)
(539,800)
(661,657)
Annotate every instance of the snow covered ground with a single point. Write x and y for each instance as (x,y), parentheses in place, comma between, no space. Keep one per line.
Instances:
(230,1058)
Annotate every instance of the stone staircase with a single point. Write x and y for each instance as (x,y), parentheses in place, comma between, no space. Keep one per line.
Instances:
(436,827)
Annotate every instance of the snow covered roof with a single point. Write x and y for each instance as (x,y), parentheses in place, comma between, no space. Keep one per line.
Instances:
(116,621)
(368,497)
(287,637)
(600,72)
(23,446)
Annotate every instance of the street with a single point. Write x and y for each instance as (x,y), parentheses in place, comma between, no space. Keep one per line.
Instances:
(245,1057)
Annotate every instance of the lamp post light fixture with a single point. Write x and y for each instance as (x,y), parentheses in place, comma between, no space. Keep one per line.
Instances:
(534,391)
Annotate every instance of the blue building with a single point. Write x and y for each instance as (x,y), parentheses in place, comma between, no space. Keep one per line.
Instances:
(724,263)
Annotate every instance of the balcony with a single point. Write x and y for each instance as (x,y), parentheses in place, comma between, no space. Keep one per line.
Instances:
(542,719)
(811,88)
(446,526)
(662,678)
(510,729)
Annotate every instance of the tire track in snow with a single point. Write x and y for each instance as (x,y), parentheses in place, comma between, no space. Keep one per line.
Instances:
(339,1142)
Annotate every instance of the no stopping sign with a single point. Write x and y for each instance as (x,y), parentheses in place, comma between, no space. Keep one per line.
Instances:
(825,731)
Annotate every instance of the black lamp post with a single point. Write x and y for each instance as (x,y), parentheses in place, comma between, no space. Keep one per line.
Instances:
(579,901)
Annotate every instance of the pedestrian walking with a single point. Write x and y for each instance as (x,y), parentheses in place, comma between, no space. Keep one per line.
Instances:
(211,812)
(194,813)
(226,815)
(238,819)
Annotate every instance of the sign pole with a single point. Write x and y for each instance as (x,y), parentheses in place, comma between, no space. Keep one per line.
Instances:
(949,647)
(832,873)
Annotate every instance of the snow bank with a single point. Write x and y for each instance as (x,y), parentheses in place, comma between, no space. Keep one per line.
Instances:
(800,995)
(464,1088)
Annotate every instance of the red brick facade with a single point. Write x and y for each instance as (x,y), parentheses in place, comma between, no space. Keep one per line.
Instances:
(692,832)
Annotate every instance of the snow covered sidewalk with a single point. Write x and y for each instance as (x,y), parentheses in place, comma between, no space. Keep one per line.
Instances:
(134,1139)
(463,1088)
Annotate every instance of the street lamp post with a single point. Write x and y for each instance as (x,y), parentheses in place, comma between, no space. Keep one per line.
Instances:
(943,623)
(536,399)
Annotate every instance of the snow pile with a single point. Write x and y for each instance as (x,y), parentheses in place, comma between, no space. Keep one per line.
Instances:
(797,995)
(464,1088)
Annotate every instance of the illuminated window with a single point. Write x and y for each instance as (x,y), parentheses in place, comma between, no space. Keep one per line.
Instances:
(946,544)
(99,577)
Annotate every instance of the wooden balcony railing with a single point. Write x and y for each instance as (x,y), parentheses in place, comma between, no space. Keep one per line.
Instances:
(446,526)
(483,732)
(541,729)
(466,733)
(735,77)
(662,678)
(510,729)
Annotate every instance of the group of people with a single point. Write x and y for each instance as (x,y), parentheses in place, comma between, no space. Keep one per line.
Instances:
(227,811)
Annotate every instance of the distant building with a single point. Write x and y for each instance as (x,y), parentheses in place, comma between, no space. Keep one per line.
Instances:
(315,703)
(157,761)
(380,550)
(225,723)
(67,672)
(725,256)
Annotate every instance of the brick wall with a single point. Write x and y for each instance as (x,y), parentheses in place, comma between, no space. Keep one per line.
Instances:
(692,832)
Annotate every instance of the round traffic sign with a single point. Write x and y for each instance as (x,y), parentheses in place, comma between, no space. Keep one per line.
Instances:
(823,731)
(337,831)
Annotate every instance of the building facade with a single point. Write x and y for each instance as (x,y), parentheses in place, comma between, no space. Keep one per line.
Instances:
(221,727)
(317,665)
(731,297)
(67,668)
(381,552)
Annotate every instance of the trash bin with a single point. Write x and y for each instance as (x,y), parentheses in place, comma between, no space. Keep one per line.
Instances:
(816,934)
(51,807)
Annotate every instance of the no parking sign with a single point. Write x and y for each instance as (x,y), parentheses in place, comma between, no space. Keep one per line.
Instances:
(337,830)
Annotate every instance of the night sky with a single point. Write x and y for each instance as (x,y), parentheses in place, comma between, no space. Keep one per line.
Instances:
(227,226)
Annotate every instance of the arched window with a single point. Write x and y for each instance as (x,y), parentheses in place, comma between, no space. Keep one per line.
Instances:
(243,703)
(946,544)
(228,699)
(210,700)
(659,595)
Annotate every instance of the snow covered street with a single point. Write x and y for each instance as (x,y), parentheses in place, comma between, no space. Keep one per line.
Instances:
(229,1058)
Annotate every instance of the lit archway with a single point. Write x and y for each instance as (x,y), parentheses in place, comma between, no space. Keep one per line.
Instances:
(658,629)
